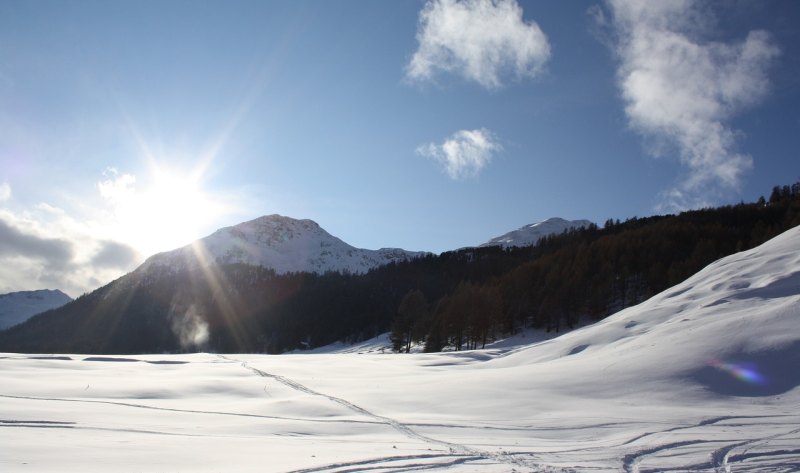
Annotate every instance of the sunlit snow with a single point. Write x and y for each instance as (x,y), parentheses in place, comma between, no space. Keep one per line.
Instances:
(702,377)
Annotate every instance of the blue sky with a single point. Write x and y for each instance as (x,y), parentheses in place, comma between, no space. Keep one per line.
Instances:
(128,128)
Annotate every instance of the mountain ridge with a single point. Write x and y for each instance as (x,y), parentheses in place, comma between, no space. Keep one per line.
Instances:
(530,234)
(17,307)
(280,243)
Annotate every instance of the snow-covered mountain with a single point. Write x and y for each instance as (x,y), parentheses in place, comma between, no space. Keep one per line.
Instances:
(530,234)
(17,307)
(281,243)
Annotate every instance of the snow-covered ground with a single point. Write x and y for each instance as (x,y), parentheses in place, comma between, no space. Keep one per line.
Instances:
(703,377)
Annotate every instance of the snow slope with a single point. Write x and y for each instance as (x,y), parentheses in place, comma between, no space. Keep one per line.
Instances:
(283,244)
(17,307)
(740,314)
(530,234)
(702,377)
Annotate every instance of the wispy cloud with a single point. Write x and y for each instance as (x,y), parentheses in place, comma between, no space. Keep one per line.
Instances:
(464,154)
(117,188)
(5,191)
(480,39)
(680,92)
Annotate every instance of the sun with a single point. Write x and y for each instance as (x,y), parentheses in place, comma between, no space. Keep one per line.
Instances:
(168,203)
(177,205)
(163,210)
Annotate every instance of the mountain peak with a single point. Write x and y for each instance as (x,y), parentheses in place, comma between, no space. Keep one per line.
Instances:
(277,220)
(283,244)
(530,234)
(551,220)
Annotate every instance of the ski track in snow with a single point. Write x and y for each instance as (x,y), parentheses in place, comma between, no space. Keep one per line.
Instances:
(189,411)
(720,458)
(73,426)
(381,462)
(630,463)
(721,455)
(456,450)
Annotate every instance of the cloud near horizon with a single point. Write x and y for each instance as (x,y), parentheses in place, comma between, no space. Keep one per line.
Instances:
(464,154)
(44,248)
(54,253)
(481,40)
(680,92)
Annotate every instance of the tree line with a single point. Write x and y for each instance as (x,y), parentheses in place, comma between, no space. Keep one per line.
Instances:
(591,273)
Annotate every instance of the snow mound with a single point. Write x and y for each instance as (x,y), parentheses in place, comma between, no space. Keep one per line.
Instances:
(530,234)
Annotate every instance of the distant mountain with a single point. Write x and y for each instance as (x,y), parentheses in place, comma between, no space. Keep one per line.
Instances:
(530,234)
(17,307)
(283,244)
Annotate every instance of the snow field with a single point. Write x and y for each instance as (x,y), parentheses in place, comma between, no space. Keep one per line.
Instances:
(702,377)
(346,412)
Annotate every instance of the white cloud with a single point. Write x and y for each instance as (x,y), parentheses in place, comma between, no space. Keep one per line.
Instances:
(102,236)
(680,92)
(479,39)
(5,191)
(117,188)
(464,154)
(44,247)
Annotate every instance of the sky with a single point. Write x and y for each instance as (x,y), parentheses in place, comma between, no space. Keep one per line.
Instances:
(129,128)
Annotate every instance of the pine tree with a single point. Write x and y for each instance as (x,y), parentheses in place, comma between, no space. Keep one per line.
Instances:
(412,313)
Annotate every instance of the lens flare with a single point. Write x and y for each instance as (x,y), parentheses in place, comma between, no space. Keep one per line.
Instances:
(746,372)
